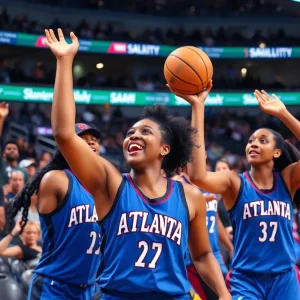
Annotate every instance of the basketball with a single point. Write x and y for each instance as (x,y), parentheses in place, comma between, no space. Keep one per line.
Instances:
(188,70)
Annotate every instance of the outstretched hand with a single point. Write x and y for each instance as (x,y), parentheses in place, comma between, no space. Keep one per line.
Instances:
(193,99)
(270,105)
(59,47)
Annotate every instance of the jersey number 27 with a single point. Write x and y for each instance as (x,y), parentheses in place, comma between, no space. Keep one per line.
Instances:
(157,247)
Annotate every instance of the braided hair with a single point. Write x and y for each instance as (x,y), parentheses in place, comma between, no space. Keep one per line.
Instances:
(23,199)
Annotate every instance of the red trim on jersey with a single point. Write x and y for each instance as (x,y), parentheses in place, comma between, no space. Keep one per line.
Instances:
(228,278)
(193,278)
(262,191)
(164,198)
(298,273)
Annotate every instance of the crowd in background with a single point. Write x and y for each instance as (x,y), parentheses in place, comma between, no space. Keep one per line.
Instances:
(199,36)
(231,79)
(180,7)
(226,133)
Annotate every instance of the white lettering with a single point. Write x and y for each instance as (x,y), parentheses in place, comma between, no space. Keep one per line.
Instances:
(122,98)
(73,218)
(143,49)
(247,213)
(143,228)
(80,208)
(123,225)
(172,223)
(135,214)
(270,52)
(177,234)
(155,225)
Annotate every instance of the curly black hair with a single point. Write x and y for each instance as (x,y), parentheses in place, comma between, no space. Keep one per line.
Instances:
(290,154)
(23,198)
(177,132)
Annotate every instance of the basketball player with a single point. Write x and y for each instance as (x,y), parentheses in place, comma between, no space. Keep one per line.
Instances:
(216,232)
(259,204)
(145,217)
(71,243)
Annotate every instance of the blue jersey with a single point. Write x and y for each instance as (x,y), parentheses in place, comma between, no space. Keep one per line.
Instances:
(71,238)
(211,223)
(145,242)
(262,222)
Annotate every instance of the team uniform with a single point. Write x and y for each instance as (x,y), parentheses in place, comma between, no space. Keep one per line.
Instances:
(71,248)
(144,245)
(212,227)
(264,256)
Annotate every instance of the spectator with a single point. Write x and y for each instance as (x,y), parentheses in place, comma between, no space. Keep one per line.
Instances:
(16,184)
(33,214)
(9,162)
(2,210)
(46,156)
(30,166)
(27,250)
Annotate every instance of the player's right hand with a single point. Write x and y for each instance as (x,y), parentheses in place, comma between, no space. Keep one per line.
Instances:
(59,47)
(194,99)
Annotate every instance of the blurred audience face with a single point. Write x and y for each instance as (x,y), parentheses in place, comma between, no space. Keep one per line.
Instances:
(11,152)
(16,181)
(31,234)
(92,141)
(31,171)
(222,166)
(46,157)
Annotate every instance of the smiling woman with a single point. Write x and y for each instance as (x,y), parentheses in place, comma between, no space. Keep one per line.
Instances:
(259,202)
(145,217)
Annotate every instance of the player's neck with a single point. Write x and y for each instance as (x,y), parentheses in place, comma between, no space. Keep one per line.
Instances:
(262,177)
(152,184)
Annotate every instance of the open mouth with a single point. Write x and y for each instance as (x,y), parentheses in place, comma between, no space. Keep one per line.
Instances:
(253,153)
(134,148)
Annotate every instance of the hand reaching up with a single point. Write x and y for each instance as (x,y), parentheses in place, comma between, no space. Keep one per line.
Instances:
(59,47)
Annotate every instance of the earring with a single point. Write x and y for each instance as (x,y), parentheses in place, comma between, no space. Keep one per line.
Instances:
(163,153)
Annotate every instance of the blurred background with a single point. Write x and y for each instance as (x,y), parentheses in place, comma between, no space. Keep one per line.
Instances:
(253,44)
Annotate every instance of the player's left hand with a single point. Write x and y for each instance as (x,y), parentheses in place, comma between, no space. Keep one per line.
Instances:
(193,99)
(271,105)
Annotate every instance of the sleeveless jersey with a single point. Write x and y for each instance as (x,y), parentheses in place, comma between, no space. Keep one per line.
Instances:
(212,227)
(71,238)
(145,241)
(262,222)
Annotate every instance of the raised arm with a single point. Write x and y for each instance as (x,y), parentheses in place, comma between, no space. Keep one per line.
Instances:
(214,182)
(275,107)
(14,251)
(201,253)
(96,174)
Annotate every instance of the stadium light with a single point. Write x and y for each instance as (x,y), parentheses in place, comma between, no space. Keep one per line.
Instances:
(99,65)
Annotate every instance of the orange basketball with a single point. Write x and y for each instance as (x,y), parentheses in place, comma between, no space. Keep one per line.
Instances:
(188,70)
